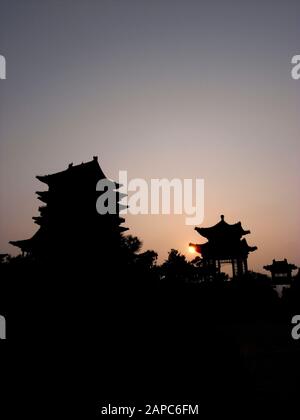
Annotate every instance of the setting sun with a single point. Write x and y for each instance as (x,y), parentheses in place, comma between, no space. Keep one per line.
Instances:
(192,249)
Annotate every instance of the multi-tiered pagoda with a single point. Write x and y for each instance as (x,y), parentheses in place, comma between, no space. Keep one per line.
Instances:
(225,245)
(71,229)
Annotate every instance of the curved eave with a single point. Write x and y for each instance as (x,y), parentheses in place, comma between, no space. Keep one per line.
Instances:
(43,178)
(280,268)
(24,245)
(252,248)
(222,229)
(123,229)
(208,250)
(37,220)
(85,168)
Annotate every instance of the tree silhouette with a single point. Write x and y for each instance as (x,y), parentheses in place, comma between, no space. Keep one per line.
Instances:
(176,268)
(131,244)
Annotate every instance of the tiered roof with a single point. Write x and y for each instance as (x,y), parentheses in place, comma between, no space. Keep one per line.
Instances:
(280,267)
(224,241)
(69,216)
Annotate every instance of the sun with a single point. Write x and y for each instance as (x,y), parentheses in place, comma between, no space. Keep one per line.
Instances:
(192,249)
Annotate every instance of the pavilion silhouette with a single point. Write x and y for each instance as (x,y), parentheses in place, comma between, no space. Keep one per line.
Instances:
(225,245)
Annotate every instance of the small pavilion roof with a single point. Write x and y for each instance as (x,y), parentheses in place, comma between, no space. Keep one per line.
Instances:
(280,266)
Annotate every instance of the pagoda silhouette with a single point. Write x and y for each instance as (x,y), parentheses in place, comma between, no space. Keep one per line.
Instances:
(281,272)
(225,245)
(71,229)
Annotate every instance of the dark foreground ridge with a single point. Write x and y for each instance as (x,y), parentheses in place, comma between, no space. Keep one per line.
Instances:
(91,314)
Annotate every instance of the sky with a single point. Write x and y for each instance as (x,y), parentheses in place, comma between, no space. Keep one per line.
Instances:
(162,89)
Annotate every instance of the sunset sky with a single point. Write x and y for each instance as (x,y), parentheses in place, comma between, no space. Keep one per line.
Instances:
(162,89)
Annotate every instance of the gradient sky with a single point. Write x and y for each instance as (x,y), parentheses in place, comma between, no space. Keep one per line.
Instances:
(161,88)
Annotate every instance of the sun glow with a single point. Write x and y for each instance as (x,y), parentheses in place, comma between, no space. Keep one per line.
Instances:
(192,249)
